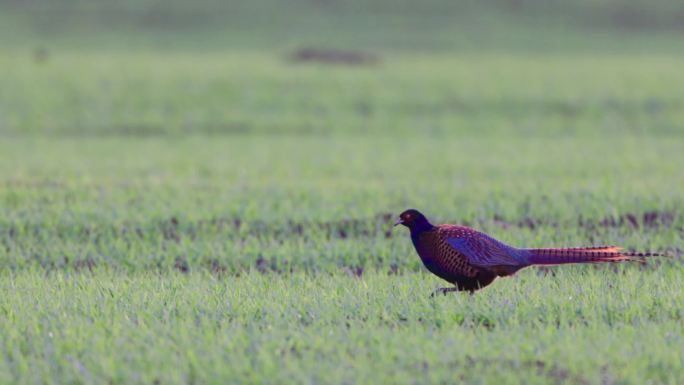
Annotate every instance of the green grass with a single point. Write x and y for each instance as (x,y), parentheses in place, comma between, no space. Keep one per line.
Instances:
(180,204)
(578,327)
(273,244)
(76,93)
(227,202)
(382,25)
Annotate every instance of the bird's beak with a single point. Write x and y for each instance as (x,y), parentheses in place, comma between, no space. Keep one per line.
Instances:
(400,221)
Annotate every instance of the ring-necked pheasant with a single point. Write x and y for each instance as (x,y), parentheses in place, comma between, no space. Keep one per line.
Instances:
(471,260)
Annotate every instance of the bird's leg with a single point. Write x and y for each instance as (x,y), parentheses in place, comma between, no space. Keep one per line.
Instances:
(444,291)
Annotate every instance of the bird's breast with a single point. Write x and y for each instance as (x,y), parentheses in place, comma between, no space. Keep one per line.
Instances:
(425,246)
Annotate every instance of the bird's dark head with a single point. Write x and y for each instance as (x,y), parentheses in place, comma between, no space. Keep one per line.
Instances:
(414,220)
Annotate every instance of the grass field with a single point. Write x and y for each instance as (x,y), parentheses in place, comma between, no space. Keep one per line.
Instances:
(180,203)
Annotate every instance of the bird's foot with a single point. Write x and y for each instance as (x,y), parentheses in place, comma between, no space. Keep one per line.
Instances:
(443,291)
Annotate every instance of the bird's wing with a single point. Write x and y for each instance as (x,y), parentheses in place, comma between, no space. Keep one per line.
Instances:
(480,249)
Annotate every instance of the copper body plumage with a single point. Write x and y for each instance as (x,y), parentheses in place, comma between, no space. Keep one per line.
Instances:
(471,260)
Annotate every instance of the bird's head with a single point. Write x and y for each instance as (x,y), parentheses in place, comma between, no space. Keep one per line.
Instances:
(414,220)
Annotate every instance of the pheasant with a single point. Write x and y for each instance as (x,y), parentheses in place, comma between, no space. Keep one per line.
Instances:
(471,260)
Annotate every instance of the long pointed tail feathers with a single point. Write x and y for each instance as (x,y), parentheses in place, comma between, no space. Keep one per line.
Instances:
(583,255)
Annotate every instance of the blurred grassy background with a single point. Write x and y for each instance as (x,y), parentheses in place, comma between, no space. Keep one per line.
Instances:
(426,26)
(168,67)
